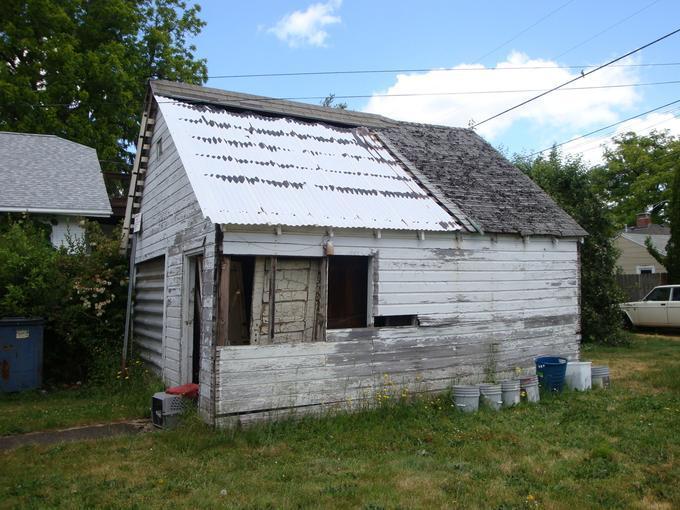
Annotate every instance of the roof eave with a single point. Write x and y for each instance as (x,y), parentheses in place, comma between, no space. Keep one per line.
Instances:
(97,213)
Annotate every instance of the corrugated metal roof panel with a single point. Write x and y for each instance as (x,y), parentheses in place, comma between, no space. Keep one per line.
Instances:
(247,169)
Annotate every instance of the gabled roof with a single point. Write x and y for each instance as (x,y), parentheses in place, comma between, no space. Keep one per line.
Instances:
(47,174)
(476,186)
(659,241)
(651,229)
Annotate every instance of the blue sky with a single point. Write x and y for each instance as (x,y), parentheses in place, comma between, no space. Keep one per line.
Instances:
(299,36)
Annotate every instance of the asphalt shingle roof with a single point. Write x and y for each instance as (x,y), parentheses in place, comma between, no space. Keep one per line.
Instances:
(466,173)
(45,173)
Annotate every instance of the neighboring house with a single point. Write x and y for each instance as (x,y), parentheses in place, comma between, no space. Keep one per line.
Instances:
(291,257)
(634,257)
(52,179)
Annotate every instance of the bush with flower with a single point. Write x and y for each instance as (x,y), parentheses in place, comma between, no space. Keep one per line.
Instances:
(79,289)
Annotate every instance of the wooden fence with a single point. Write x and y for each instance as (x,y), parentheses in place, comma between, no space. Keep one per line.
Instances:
(636,286)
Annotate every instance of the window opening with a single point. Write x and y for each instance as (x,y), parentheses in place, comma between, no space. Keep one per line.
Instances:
(389,321)
(347,292)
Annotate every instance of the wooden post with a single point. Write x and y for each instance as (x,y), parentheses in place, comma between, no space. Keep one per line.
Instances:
(223,302)
(321,314)
(272,295)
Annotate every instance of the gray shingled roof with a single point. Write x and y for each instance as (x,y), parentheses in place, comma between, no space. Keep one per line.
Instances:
(460,167)
(485,185)
(47,174)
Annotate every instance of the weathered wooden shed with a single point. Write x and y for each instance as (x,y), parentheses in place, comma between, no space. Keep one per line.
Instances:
(291,257)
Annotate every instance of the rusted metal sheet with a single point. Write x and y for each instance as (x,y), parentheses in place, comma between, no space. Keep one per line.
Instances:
(250,169)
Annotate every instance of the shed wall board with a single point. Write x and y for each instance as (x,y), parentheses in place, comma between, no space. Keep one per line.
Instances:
(472,294)
(172,225)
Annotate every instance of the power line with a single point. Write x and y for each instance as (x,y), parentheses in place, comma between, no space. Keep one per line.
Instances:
(472,92)
(589,145)
(583,75)
(522,32)
(413,94)
(425,70)
(605,127)
(607,29)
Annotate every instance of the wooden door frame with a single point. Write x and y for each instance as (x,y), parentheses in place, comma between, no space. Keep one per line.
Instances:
(189,260)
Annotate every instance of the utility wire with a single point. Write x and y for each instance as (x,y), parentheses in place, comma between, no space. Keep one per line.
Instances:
(516,36)
(413,94)
(474,92)
(425,70)
(607,29)
(583,75)
(588,145)
(605,127)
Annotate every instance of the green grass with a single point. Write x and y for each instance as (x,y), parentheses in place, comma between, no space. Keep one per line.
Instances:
(601,449)
(31,411)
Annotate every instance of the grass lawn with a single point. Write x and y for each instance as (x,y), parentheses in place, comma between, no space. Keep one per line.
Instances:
(60,408)
(602,449)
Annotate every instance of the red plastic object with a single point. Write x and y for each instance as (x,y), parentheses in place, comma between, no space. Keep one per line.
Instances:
(186,390)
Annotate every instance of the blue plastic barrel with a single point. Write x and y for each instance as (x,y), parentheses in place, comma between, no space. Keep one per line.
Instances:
(21,354)
(551,371)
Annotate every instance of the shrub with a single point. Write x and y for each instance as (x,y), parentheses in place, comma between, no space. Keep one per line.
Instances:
(79,289)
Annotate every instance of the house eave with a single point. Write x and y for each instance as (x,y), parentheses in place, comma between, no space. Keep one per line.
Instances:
(97,213)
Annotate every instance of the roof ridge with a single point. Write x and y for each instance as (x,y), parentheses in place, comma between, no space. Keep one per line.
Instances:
(251,102)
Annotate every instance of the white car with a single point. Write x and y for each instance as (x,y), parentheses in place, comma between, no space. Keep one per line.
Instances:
(661,307)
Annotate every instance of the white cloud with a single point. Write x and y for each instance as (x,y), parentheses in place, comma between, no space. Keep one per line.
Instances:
(559,112)
(592,148)
(307,27)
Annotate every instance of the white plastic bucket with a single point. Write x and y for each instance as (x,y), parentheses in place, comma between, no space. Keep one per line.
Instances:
(578,375)
(600,376)
(466,398)
(529,387)
(510,392)
(491,395)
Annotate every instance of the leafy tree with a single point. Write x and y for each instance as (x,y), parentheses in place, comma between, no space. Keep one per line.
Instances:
(671,261)
(637,175)
(329,101)
(78,68)
(569,183)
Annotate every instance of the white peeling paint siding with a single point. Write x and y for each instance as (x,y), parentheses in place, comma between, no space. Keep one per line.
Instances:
(172,226)
(249,169)
(474,295)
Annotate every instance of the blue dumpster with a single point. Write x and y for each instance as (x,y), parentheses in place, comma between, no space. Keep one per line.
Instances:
(21,353)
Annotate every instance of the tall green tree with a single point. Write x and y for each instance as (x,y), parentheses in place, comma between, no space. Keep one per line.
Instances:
(79,68)
(671,260)
(637,175)
(569,182)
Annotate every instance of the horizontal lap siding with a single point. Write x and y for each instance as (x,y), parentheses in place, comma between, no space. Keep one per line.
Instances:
(172,224)
(148,311)
(472,296)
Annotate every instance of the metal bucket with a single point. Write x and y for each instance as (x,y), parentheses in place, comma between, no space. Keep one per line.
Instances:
(578,375)
(466,398)
(510,392)
(600,376)
(491,395)
(529,388)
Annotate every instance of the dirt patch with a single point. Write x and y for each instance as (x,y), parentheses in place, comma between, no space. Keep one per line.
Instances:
(99,431)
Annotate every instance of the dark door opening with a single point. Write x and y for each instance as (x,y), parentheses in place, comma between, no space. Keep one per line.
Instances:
(241,273)
(347,292)
(197,322)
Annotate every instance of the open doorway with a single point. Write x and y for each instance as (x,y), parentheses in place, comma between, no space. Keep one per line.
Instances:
(192,297)
(235,300)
